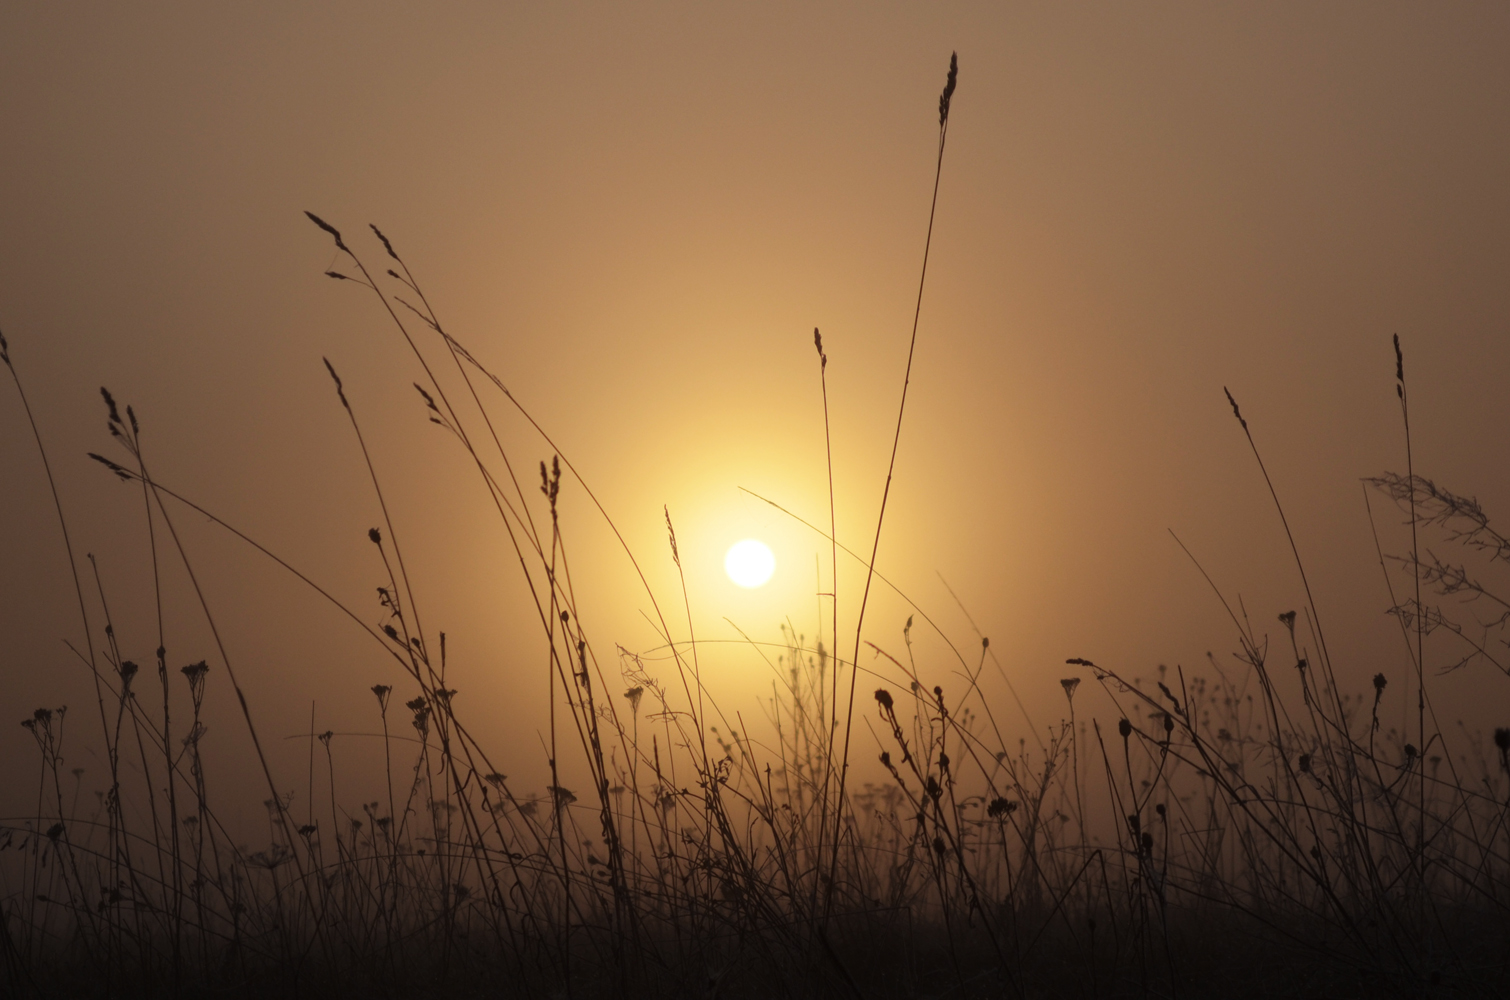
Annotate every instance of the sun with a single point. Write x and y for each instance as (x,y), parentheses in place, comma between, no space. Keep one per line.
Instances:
(749,563)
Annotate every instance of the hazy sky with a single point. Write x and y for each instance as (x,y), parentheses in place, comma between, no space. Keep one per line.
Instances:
(637,214)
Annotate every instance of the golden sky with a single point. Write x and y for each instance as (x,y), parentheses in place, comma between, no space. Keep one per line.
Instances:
(637,214)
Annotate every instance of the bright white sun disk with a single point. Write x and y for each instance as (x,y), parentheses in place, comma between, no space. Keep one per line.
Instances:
(749,563)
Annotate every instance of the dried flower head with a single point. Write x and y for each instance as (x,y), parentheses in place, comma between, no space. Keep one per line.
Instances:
(1000,807)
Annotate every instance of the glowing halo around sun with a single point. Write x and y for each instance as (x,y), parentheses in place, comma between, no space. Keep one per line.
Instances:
(749,563)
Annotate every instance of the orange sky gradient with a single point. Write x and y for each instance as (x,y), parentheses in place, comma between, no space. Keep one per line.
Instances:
(636,216)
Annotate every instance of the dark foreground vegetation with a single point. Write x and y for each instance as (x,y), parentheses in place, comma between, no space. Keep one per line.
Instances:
(1251,830)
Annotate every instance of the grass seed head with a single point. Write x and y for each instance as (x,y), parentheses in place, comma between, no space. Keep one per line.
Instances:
(949,84)
(329,229)
(386,245)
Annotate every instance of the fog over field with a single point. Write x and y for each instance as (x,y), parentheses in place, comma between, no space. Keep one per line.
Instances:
(630,221)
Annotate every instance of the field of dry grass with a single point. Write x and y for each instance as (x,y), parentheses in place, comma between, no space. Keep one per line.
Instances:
(1241,831)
